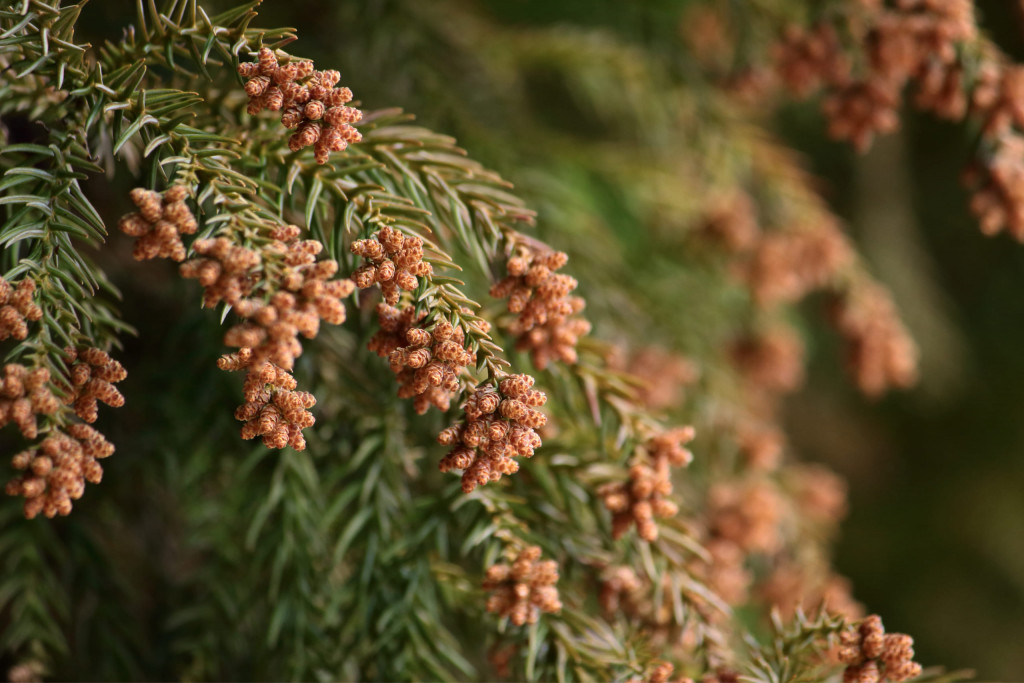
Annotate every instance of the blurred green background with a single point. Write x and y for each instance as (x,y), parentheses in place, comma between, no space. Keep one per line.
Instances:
(935,538)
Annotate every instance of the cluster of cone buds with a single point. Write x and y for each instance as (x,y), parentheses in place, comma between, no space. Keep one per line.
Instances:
(731,221)
(273,409)
(996,179)
(880,352)
(770,360)
(546,326)
(303,295)
(92,374)
(645,495)
(17,308)
(785,266)
(522,591)
(761,445)
(998,188)
(24,394)
(996,97)
(159,223)
(807,60)
(393,260)
(499,425)
(223,268)
(56,470)
(746,513)
(427,363)
(618,584)
(862,110)
(309,102)
(871,655)
(912,40)
(307,296)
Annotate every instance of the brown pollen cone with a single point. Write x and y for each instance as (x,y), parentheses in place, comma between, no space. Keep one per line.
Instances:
(24,394)
(159,223)
(92,375)
(547,325)
(393,261)
(55,471)
(17,308)
(426,363)
(499,424)
(646,494)
(309,102)
(522,591)
(872,655)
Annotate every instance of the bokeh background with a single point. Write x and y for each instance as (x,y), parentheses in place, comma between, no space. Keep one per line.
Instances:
(934,540)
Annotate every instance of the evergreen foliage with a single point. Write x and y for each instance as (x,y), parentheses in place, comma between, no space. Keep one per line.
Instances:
(203,556)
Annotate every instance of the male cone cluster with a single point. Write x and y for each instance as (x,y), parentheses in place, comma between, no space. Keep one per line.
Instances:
(93,374)
(298,297)
(273,410)
(645,495)
(873,656)
(24,394)
(523,590)
(56,470)
(427,364)
(499,425)
(393,260)
(308,101)
(547,325)
(17,308)
(159,223)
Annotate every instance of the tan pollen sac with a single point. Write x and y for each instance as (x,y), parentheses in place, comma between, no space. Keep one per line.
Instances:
(524,589)
(24,394)
(92,374)
(225,270)
(997,185)
(393,261)
(645,496)
(17,308)
(499,424)
(912,41)
(426,363)
(871,655)
(880,354)
(770,360)
(862,110)
(298,295)
(730,220)
(547,324)
(783,267)
(56,470)
(747,513)
(807,60)
(273,409)
(309,101)
(618,586)
(159,223)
